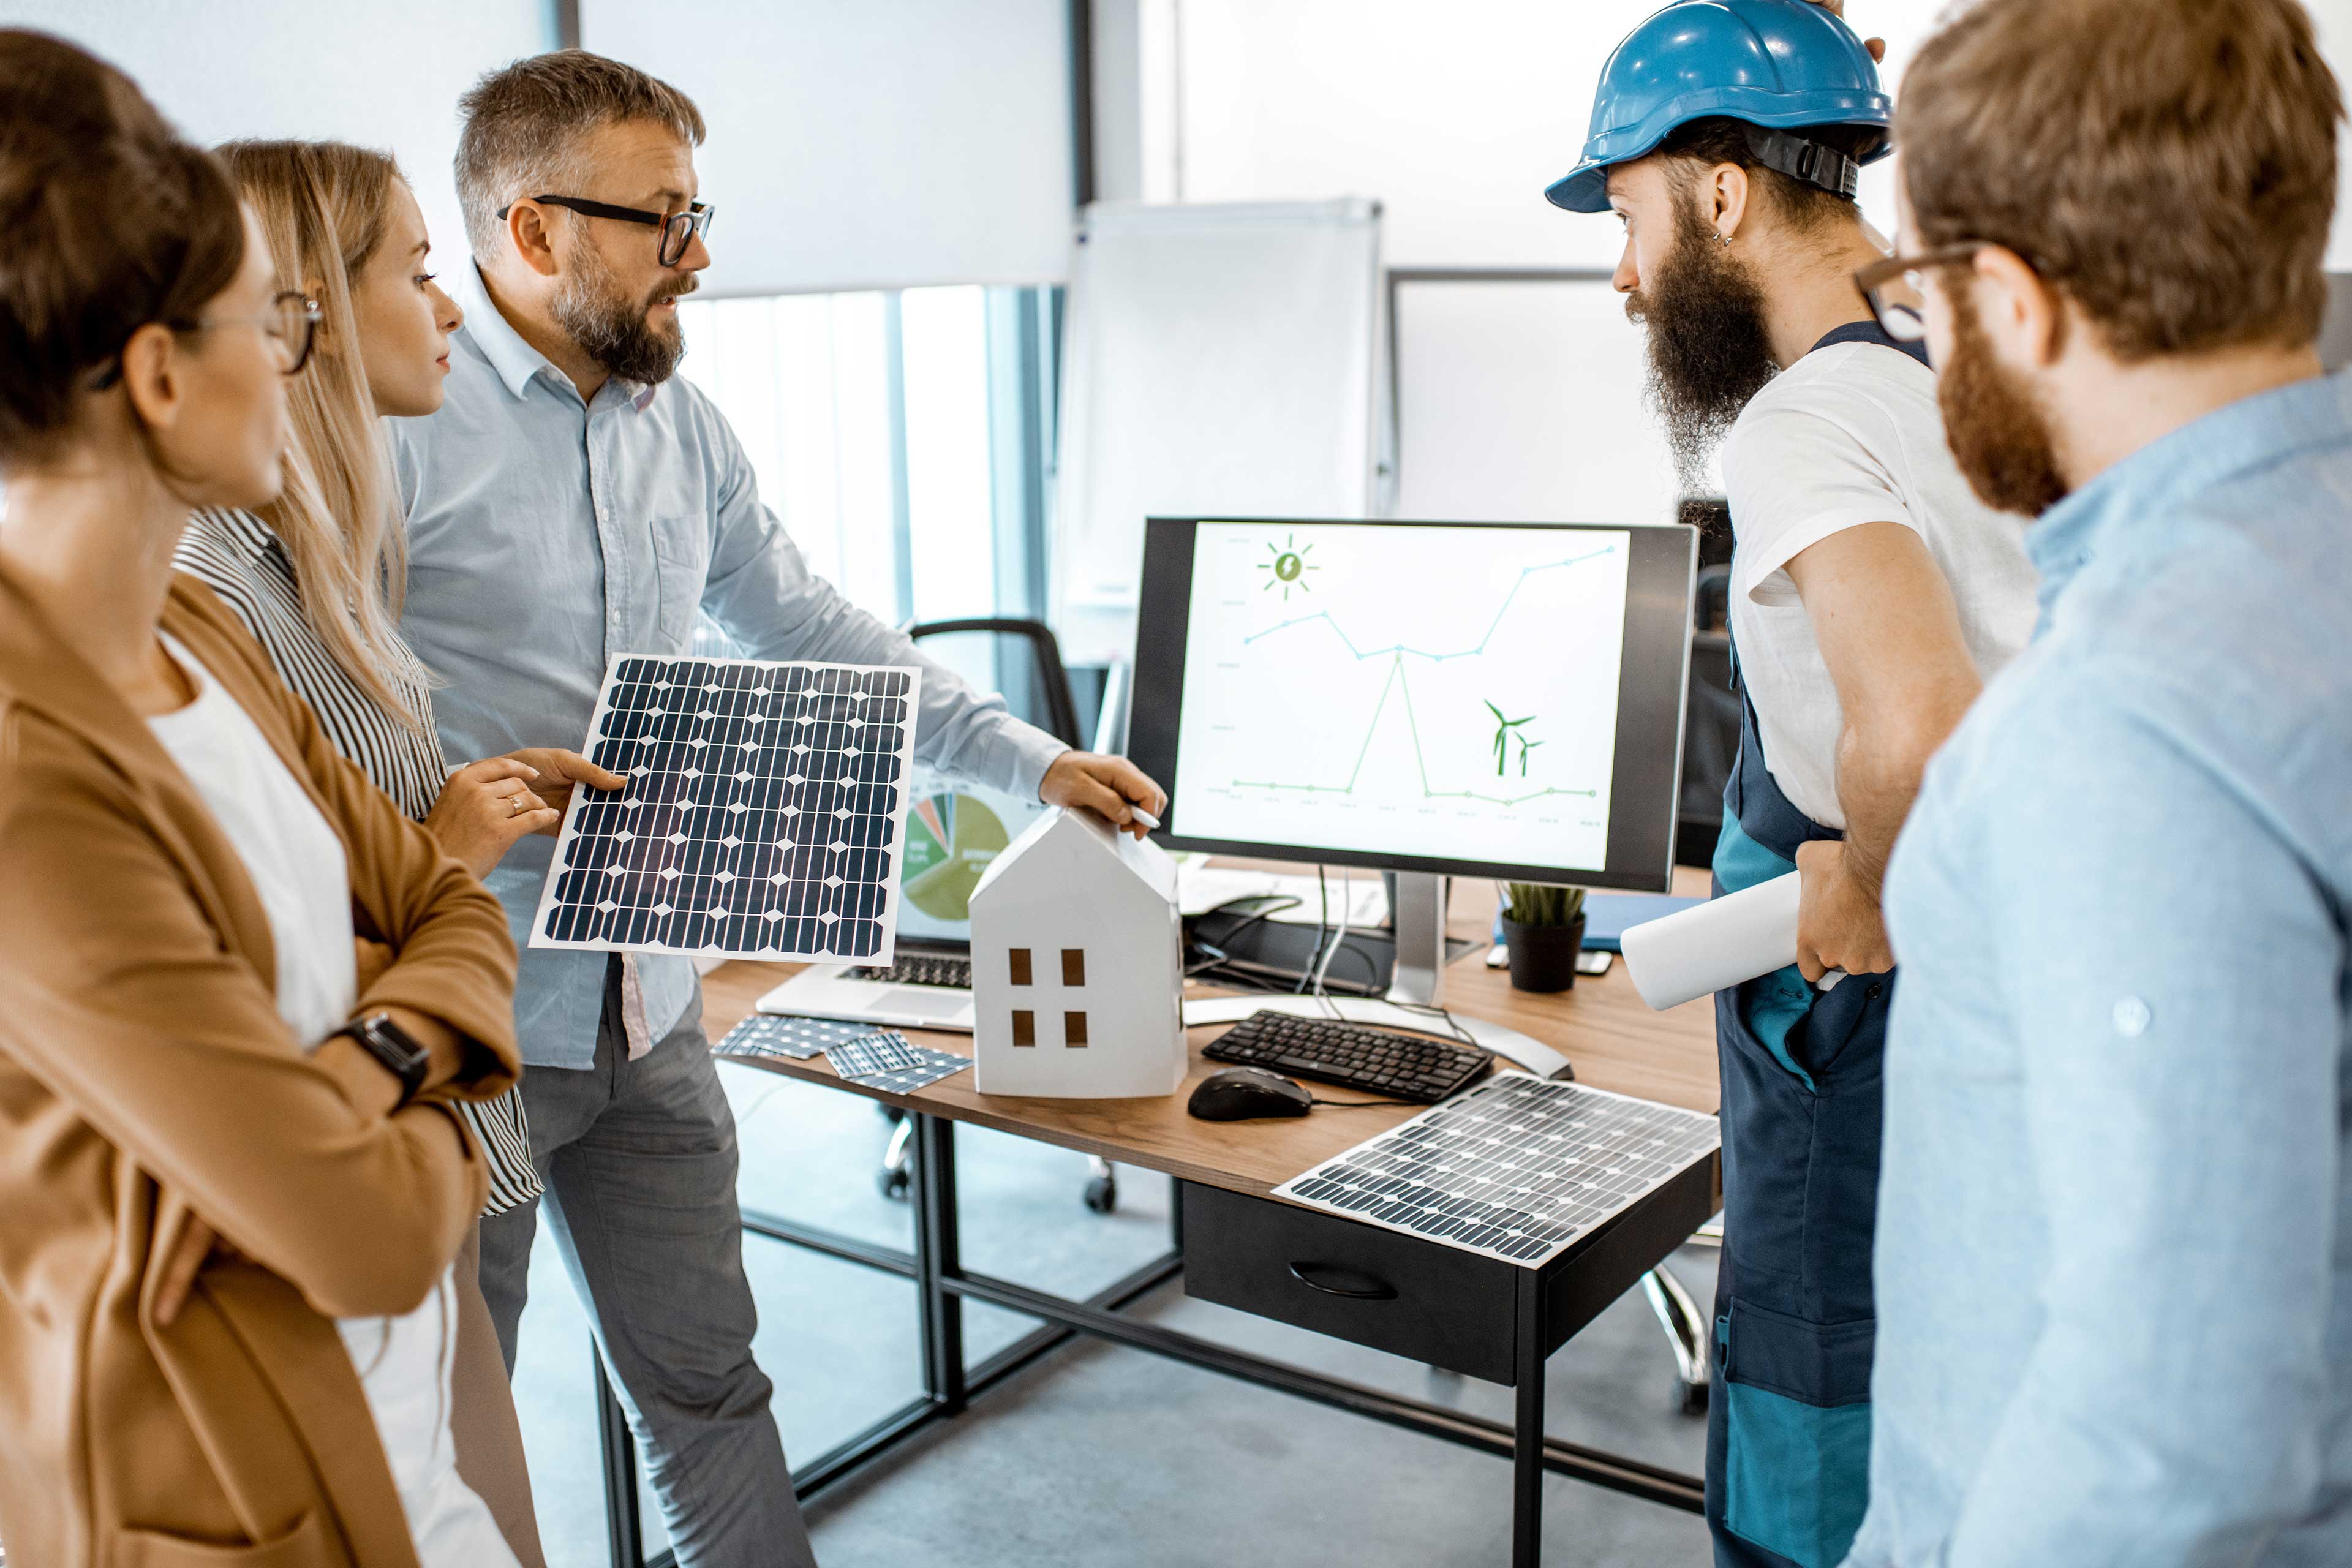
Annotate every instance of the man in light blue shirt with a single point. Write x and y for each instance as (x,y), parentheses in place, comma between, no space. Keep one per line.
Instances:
(572,502)
(2115,1227)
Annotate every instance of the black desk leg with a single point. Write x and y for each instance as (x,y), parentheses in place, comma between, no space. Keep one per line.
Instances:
(1527,1441)
(938,1258)
(623,1528)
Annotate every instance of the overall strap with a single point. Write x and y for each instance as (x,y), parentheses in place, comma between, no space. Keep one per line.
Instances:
(1870,333)
(1753,797)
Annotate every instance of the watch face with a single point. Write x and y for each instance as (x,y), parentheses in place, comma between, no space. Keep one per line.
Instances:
(395,1049)
(382,1026)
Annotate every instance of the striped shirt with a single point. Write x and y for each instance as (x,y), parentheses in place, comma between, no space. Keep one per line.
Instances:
(235,555)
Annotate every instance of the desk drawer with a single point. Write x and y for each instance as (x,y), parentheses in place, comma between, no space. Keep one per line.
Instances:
(1377,1287)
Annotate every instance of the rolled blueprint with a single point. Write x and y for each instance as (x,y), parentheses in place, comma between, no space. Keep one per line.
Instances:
(1718,944)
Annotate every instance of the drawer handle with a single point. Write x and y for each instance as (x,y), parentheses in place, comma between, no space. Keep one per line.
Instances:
(1345,1282)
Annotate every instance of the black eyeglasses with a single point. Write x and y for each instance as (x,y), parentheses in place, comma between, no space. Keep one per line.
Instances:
(677,228)
(291,324)
(1896,319)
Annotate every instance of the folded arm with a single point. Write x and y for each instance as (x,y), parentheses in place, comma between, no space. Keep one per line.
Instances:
(125,1004)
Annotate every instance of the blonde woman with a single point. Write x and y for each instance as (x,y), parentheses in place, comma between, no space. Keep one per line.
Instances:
(242,991)
(318,575)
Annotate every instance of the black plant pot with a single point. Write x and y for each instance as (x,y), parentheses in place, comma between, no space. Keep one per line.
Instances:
(1543,958)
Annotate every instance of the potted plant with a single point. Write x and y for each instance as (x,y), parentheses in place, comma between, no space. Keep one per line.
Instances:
(1543,931)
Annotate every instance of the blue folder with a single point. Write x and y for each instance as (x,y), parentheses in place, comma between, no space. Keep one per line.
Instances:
(1606,915)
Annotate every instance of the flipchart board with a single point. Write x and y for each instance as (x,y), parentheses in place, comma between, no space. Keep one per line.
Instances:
(1219,359)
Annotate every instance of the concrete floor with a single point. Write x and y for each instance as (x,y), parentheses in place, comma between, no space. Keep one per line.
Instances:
(1101,1455)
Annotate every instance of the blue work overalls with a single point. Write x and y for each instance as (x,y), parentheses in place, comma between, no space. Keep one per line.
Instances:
(1788,1440)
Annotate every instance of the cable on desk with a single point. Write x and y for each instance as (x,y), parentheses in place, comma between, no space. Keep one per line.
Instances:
(1276,903)
(1347,912)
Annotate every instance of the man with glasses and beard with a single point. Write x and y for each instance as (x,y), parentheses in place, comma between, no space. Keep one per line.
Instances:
(2115,1250)
(571,502)
(1871,594)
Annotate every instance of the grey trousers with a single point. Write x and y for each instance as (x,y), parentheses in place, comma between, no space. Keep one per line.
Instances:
(638,1159)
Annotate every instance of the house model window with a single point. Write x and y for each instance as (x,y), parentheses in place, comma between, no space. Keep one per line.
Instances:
(1074,966)
(1020,966)
(1025,1027)
(1074,1029)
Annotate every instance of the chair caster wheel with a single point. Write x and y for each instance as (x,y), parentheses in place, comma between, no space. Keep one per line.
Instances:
(893,1184)
(1102,1195)
(1690,1398)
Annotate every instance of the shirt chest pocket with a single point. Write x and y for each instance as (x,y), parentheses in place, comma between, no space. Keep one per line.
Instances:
(681,565)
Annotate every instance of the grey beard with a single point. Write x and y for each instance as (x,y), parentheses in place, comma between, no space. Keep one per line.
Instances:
(611,331)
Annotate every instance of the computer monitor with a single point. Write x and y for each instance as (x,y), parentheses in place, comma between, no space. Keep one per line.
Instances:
(1484,699)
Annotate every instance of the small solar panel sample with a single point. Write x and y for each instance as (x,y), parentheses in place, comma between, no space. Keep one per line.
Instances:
(890,1061)
(766,1034)
(1516,1168)
(762,818)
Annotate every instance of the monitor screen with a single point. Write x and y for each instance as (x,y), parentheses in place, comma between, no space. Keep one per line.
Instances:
(1500,700)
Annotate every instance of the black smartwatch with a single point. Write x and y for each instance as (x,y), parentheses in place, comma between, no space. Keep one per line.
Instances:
(394,1048)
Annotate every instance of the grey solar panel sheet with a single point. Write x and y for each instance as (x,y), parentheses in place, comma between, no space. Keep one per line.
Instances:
(762,818)
(1517,1168)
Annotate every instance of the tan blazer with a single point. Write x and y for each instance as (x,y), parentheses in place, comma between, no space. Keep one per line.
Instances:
(144,1073)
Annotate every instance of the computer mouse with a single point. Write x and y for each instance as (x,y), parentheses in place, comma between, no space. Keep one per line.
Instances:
(1242,1094)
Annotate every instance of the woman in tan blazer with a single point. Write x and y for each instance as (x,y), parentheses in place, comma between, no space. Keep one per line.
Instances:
(194,889)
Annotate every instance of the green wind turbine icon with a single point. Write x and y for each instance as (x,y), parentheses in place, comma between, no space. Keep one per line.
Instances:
(1505,731)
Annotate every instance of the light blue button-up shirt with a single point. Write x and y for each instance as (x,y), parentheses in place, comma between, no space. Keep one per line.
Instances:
(547,537)
(2114,1233)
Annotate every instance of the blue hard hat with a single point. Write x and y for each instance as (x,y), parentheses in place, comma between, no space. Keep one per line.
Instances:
(1780,65)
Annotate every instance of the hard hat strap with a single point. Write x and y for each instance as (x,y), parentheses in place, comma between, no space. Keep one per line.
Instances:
(1814,162)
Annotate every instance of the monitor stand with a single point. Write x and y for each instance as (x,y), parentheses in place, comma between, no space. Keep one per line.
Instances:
(1417,982)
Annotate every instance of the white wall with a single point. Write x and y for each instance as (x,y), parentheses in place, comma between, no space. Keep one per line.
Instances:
(1456,116)
(868,143)
(381,75)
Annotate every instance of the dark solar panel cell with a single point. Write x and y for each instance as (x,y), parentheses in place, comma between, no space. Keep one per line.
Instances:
(761,817)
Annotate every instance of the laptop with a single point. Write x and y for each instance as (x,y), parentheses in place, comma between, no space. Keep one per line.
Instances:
(953,831)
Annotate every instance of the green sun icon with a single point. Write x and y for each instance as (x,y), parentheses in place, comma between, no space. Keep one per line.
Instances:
(1289,566)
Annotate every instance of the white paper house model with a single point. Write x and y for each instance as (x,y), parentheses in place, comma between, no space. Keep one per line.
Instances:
(1078,965)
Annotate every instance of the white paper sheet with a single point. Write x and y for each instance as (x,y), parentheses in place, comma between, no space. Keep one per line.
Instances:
(1722,942)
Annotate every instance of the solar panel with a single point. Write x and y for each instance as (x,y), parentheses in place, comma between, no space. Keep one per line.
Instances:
(765,1035)
(762,816)
(1516,1168)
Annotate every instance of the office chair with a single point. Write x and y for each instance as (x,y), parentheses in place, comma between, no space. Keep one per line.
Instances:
(1039,692)
(1711,724)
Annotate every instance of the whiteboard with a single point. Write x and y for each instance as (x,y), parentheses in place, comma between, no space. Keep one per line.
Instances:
(1220,360)
(1522,398)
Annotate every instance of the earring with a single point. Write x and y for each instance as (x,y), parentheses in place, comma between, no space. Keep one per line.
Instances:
(1723,240)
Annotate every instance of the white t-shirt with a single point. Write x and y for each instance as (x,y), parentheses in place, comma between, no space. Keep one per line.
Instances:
(297,866)
(1851,435)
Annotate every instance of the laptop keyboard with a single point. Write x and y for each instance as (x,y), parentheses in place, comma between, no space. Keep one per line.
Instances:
(914,970)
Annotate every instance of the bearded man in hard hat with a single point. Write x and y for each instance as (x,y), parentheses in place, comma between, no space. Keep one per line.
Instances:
(1871,595)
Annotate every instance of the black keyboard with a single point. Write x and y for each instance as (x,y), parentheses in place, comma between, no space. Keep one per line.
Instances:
(915,970)
(1354,1056)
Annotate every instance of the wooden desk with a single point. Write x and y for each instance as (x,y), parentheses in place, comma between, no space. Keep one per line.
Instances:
(1601,1025)
(1612,1038)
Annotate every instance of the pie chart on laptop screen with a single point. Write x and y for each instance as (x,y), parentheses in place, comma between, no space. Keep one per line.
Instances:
(951,839)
